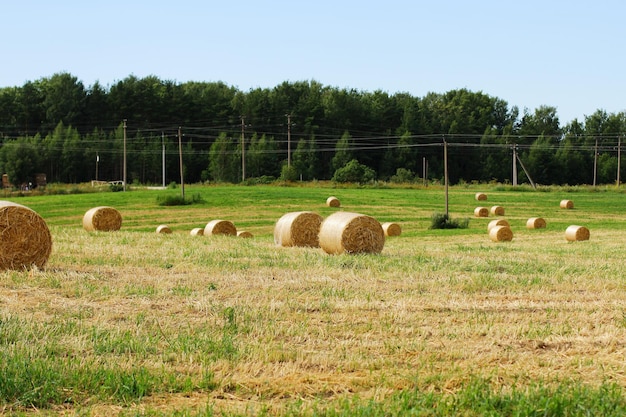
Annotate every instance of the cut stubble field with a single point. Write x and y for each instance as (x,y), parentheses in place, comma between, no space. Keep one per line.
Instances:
(136,322)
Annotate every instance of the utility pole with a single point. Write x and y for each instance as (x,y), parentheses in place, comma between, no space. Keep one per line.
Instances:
(124,169)
(595,163)
(163,153)
(97,161)
(514,165)
(445,171)
(288,140)
(180,154)
(243,149)
(619,158)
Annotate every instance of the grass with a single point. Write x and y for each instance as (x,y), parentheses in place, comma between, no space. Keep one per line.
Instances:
(442,322)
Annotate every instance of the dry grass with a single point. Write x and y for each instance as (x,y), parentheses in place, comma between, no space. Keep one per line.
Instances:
(430,311)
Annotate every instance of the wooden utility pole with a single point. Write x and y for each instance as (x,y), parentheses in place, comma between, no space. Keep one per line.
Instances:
(595,163)
(243,149)
(163,155)
(289,140)
(514,165)
(619,158)
(445,172)
(180,154)
(124,163)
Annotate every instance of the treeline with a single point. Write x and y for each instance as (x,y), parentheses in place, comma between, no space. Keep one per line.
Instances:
(297,130)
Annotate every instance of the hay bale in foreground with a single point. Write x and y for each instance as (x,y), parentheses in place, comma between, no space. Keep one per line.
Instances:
(103,218)
(220,227)
(163,229)
(481,212)
(351,233)
(299,228)
(535,223)
(501,234)
(497,211)
(497,222)
(567,204)
(480,197)
(391,229)
(244,234)
(197,231)
(25,239)
(333,202)
(576,233)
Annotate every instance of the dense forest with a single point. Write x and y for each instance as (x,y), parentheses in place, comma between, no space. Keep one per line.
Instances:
(297,130)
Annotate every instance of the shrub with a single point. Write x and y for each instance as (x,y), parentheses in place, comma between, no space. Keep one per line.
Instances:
(403,175)
(354,171)
(444,221)
(288,173)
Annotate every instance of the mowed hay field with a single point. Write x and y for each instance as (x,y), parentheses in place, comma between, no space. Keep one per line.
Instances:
(133,322)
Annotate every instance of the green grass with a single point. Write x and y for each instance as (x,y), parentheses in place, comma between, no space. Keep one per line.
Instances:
(441,322)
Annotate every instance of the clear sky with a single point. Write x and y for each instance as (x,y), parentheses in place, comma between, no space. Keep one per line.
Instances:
(568,54)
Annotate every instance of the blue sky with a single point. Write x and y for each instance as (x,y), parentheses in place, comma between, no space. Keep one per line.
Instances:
(566,54)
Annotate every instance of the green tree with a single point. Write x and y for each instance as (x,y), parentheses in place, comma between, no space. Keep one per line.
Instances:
(224,160)
(343,151)
(19,160)
(354,172)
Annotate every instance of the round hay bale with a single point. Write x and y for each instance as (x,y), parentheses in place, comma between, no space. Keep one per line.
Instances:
(220,227)
(481,197)
(333,202)
(25,239)
(197,231)
(244,234)
(497,222)
(497,211)
(351,233)
(501,234)
(481,212)
(535,223)
(567,204)
(103,218)
(576,233)
(163,229)
(391,229)
(299,228)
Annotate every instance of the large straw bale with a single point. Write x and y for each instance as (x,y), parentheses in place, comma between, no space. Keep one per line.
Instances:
(220,227)
(103,218)
(299,228)
(576,233)
(497,222)
(501,234)
(163,228)
(197,231)
(481,212)
(333,202)
(497,211)
(25,239)
(535,223)
(481,196)
(244,234)
(567,204)
(351,233)
(391,229)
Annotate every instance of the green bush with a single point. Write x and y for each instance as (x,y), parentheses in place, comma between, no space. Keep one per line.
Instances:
(356,172)
(444,221)
(288,173)
(403,176)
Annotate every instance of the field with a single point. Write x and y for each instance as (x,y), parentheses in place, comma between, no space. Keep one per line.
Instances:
(441,322)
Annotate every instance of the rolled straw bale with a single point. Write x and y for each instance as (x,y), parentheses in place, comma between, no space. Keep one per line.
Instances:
(244,234)
(391,229)
(299,228)
(535,223)
(576,233)
(351,233)
(567,204)
(497,222)
(163,229)
(497,211)
(25,239)
(220,227)
(197,231)
(103,218)
(333,202)
(481,212)
(481,196)
(501,234)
